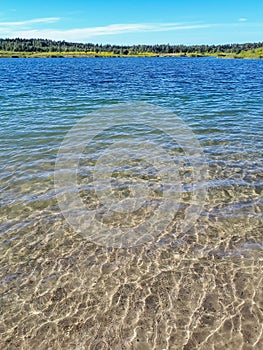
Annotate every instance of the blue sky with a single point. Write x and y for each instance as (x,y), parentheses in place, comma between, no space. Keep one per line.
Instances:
(134,21)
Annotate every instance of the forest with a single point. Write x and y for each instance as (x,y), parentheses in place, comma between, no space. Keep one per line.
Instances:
(46,46)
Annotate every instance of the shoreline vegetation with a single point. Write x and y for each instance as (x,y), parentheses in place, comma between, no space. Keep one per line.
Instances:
(43,48)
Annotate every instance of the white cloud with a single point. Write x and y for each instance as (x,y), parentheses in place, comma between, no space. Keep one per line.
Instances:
(89,32)
(30,21)
(242,19)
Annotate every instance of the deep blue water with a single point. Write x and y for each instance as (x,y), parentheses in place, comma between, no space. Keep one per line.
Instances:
(40,99)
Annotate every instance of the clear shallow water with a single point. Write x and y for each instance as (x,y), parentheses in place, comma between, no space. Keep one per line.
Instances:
(196,290)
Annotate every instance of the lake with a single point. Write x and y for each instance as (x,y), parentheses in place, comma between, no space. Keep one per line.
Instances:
(141,227)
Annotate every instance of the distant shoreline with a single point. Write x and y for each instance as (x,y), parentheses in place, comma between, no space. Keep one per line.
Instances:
(7,54)
(38,48)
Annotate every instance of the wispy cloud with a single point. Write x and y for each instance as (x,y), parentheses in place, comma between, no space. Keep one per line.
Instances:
(89,32)
(242,19)
(29,22)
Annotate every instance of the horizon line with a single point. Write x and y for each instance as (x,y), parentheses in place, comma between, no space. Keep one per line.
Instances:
(129,45)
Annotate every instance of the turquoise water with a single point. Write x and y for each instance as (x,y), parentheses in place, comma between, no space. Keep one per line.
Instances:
(200,289)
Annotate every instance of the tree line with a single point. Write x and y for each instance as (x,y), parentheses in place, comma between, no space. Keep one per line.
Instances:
(45,45)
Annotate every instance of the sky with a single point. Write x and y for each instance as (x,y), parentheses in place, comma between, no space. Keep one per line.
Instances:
(134,21)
